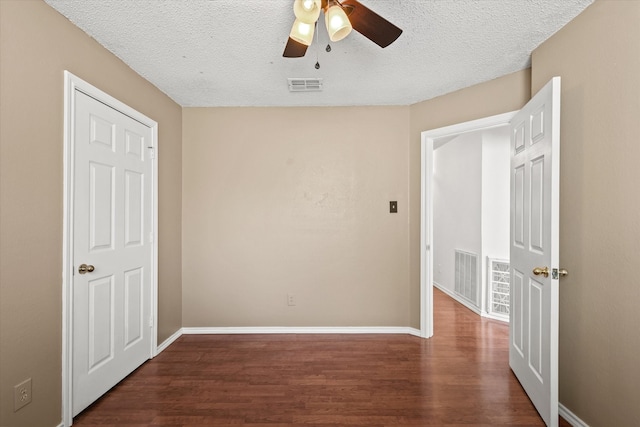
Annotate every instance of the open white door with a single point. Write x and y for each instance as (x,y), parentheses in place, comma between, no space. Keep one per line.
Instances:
(533,328)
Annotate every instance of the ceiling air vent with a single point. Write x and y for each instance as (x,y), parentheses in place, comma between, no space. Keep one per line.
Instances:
(305,85)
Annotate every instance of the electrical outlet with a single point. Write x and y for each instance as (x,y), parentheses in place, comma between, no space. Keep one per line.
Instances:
(21,394)
(291,299)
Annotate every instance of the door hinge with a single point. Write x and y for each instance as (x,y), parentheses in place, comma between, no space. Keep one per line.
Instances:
(151,237)
(152,152)
(150,321)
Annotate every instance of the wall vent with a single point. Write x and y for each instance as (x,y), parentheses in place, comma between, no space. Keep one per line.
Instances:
(466,279)
(305,85)
(499,284)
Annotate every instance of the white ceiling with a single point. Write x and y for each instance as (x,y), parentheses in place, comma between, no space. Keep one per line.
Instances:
(229,52)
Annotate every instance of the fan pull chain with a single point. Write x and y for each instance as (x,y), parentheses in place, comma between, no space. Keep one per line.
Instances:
(317,48)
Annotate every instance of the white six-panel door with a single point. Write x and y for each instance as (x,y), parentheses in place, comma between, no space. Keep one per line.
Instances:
(533,328)
(112,232)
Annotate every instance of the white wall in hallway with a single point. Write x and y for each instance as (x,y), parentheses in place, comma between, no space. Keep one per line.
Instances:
(457,191)
(471,202)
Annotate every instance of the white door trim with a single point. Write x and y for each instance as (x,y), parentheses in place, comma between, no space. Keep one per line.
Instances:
(73,83)
(426,202)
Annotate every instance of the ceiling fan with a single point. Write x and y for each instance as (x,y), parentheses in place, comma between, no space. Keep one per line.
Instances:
(340,18)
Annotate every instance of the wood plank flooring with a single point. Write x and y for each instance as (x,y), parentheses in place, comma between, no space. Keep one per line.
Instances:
(459,377)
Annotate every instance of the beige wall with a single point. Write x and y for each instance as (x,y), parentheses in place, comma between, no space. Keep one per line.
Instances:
(36,45)
(295,200)
(507,93)
(275,201)
(598,57)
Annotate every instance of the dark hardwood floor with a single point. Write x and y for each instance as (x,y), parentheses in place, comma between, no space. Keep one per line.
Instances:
(459,377)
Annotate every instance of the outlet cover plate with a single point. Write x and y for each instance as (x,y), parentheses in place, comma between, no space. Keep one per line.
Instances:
(291,299)
(21,394)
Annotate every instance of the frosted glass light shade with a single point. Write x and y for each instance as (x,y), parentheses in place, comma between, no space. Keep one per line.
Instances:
(302,32)
(338,25)
(307,10)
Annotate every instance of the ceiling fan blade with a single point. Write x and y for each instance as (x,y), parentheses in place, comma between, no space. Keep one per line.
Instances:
(370,24)
(293,49)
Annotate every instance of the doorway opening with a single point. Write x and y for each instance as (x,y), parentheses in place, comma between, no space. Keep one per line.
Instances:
(465,216)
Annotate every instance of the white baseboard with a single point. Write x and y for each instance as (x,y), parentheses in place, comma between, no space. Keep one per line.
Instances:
(570,416)
(494,317)
(457,298)
(304,330)
(468,305)
(287,330)
(415,332)
(166,343)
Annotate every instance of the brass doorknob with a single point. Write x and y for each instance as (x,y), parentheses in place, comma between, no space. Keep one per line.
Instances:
(84,268)
(541,270)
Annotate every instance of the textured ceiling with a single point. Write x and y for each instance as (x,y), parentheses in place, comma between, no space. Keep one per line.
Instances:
(229,52)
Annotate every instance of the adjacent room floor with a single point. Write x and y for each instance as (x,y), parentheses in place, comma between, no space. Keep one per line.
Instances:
(459,377)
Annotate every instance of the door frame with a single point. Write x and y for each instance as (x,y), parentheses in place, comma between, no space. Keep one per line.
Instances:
(428,138)
(72,84)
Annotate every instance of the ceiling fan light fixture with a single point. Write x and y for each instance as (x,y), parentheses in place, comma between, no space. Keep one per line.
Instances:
(302,32)
(341,17)
(337,22)
(307,11)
